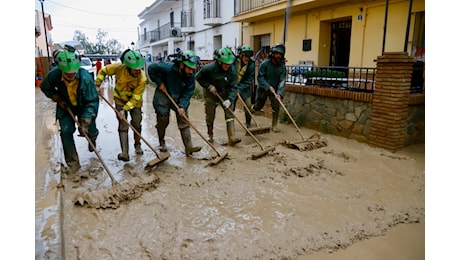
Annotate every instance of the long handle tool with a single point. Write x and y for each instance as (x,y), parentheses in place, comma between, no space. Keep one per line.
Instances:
(258,129)
(153,162)
(93,147)
(314,141)
(289,115)
(256,155)
(219,157)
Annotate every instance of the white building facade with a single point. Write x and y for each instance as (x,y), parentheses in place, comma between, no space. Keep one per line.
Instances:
(199,25)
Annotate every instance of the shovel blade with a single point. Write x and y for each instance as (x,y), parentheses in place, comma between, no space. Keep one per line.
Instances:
(158,160)
(258,130)
(218,159)
(262,153)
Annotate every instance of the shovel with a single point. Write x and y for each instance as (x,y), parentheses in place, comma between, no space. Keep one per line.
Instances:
(256,155)
(93,147)
(219,157)
(258,129)
(153,162)
(111,197)
(299,144)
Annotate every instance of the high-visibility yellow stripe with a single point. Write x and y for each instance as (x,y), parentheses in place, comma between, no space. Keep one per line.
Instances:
(137,97)
(130,105)
(101,77)
(229,120)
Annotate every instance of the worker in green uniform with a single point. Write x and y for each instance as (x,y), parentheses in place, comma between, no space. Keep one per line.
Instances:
(271,80)
(245,68)
(176,78)
(72,87)
(220,78)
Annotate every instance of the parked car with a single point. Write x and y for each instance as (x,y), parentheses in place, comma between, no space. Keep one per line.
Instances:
(88,65)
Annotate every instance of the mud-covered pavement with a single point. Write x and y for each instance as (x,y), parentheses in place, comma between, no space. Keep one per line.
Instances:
(289,204)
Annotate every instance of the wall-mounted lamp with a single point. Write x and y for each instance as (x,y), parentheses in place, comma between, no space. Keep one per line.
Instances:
(360,15)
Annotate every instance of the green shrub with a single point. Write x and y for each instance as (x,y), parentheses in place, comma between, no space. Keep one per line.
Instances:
(323,73)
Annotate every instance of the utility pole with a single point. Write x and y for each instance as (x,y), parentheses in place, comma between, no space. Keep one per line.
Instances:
(46,35)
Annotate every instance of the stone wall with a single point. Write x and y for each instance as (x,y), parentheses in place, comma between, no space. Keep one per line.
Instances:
(390,118)
(343,113)
(338,112)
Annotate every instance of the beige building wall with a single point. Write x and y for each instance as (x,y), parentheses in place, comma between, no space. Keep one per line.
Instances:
(315,24)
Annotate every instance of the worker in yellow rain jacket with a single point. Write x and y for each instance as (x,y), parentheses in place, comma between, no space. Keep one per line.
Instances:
(130,82)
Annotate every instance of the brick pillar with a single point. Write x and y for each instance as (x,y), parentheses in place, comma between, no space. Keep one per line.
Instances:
(390,100)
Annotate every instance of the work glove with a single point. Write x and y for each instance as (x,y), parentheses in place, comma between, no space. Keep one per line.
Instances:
(121,115)
(212,89)
(226,103)
(59,100)
(98,82)
(272,90)
(181,112)
(84,123)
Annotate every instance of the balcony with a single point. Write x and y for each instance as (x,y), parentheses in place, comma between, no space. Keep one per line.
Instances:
(211,11)
(187,21)
(247,6)
(256,10)
(164,32)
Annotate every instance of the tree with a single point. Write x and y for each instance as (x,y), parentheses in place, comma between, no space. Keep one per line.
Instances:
(102,46)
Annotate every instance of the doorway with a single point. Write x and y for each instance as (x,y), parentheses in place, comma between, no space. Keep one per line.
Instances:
(340,43)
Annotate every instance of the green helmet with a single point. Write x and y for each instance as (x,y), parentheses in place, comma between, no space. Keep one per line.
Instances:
(245,50)
(189,59)
(279,47)
(224,55)
(132,59)
(67,60)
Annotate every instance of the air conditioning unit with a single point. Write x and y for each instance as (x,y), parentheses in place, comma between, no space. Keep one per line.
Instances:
(174,32)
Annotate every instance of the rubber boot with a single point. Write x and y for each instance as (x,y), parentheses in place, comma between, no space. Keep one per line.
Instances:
(275,123)
(187,140)
(248,120)
(137,144)
(161,140)
(163,147)
(232,140)
(70,153)
(93,141)
(210,133)
(162,123)
(124,155)
(73,167)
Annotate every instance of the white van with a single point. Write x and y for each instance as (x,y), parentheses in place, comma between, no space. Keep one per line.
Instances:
(88,65)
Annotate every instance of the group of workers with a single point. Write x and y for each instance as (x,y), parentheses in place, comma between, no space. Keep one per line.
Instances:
(77,94)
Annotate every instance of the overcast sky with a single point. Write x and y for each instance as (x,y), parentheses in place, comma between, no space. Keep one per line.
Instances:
(117,17)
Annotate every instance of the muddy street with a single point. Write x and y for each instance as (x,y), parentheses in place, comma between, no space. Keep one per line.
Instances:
(343,200)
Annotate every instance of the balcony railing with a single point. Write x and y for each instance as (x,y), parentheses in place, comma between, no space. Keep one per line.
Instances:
(211,9)
(243,6)
(187,19)
(161,33)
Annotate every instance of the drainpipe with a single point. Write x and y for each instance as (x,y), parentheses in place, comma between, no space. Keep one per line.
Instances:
(408,26)
(385,26)
(46,35)
(287,14)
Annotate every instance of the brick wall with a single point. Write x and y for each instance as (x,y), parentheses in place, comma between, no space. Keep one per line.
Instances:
(390,102)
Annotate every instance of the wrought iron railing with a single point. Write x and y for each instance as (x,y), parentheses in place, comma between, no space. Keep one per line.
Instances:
(211,9)
(187,18)
(243,6)
(358,79)
(165,31)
